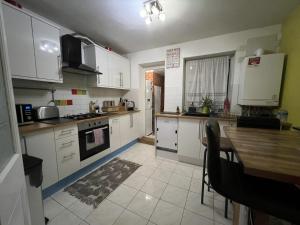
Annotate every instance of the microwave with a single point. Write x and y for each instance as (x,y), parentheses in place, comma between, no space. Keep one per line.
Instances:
(24,114)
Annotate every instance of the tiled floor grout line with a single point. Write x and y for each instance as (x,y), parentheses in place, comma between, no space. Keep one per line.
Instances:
(126,208)
(157,202)
(65,208)
(184,208)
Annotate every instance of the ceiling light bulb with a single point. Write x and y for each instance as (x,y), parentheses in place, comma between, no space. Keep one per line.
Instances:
(155,10)
(143,13)
(162,17)
(55,48)
(148,20)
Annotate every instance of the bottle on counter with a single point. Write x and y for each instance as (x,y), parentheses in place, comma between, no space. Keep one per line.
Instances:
(226,105)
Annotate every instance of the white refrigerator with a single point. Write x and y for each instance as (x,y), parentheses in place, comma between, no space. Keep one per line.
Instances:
(148,107)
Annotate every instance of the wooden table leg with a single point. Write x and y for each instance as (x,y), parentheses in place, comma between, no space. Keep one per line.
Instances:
(236,213)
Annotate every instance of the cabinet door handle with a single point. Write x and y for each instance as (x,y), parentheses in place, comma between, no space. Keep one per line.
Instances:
(121,79)
(67,143)
(98,79)
(110,130)
(131,120)
(68,157)
(64,132)
(59,67)
(199,130)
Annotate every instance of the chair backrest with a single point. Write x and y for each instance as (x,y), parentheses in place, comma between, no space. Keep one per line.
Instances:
(258,122)
(213,152)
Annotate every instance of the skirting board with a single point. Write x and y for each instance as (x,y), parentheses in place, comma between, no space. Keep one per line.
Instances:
(84,171)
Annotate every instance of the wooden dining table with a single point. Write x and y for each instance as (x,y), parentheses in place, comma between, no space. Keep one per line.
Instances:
(271,154)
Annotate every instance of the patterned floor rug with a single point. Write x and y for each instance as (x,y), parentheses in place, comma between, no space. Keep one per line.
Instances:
(96,186)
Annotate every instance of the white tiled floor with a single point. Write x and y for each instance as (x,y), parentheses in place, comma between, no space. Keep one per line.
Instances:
(161,192)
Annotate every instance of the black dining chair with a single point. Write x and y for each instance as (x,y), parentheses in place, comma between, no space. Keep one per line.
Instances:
(279,199)
(226,147)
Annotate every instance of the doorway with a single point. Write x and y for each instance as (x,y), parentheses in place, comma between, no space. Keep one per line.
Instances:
(154,97)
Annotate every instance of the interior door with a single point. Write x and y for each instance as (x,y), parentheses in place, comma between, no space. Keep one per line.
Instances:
(14,208)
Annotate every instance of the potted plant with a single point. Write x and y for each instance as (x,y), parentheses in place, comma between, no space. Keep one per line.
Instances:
(207,103)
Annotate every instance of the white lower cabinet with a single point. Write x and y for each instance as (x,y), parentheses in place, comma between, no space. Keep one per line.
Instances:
(129,128)
(59,147)
(189,138)
(114,136)
(42,145)
(68,160)
(166,133)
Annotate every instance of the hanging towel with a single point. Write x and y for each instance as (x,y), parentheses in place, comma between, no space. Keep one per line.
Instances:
(90,138)
(99,136)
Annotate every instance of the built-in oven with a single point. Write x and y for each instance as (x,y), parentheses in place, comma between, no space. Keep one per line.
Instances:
(93,137)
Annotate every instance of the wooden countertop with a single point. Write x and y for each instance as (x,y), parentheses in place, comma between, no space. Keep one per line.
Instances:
(37,126)
(271,154)
(229,117)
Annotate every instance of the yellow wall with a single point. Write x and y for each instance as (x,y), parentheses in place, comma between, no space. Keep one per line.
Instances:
(290,44)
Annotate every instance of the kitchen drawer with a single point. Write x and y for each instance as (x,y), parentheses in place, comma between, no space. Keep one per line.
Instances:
(67,143)
(68,162)
(66,131)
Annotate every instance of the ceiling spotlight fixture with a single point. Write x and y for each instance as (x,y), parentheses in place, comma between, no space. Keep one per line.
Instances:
(151,10)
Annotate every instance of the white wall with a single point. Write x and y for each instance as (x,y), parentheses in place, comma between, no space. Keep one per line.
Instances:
(63,92)
(236,42)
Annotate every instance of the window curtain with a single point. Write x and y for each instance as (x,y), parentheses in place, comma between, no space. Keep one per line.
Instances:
(207,77)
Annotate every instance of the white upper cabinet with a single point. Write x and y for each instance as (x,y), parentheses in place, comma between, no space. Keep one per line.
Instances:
(119,71)
(114,65)
(125,70)
(33,46)
(97,58)
(47,50)
(115,69)
(19,43)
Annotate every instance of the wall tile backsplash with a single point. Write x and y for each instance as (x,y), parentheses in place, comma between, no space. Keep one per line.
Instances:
(64,94)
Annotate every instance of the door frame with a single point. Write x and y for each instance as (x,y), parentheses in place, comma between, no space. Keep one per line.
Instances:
(144,68)
(8,86)
(15,163)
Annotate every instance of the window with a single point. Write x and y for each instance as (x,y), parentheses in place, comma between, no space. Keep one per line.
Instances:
(207,77)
